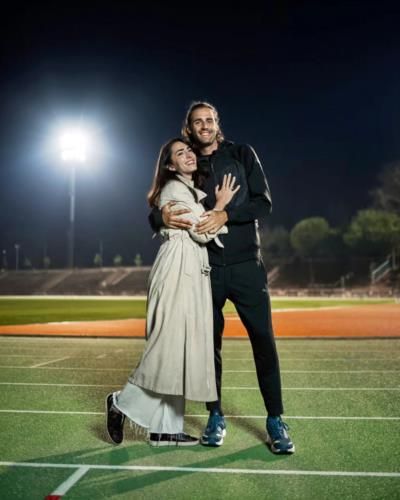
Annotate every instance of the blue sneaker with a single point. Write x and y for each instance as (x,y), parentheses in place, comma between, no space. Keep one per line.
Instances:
(277,437)
(215,431)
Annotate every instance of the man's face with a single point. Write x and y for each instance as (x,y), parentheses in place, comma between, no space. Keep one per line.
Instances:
(203,127)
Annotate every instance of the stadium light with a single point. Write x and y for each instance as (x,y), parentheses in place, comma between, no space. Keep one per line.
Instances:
(73,150)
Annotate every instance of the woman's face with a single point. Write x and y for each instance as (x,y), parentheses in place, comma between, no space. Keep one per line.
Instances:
(183,159)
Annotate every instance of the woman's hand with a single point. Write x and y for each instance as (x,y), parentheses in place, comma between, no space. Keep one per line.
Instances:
(226,192)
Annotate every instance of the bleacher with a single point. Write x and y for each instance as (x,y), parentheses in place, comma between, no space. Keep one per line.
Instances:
(25,282)
(103,281)
(133,281)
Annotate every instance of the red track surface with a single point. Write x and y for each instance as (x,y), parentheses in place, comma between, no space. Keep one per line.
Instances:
(362,321)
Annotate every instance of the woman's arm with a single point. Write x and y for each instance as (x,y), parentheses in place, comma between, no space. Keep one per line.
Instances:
(183,199)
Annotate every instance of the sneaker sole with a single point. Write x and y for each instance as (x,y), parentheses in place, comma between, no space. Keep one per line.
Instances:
(108,434)
(207,442)
(156,444)
(288,451)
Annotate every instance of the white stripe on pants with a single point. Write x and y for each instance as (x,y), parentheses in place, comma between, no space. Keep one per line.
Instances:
(160,413)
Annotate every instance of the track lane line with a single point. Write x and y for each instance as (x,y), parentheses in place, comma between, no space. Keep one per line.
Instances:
(64,487)
(205,415)
(239,388)
(49,362)
(17,367)
(220,470)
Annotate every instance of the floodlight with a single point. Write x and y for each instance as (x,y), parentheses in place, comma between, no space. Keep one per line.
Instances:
(74,144)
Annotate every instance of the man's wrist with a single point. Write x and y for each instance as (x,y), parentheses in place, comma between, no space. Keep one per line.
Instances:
(225,213)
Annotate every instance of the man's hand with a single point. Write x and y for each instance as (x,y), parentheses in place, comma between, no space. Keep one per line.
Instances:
(213,220)
(171,218)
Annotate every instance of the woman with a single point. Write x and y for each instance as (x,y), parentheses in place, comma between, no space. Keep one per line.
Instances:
(178,361)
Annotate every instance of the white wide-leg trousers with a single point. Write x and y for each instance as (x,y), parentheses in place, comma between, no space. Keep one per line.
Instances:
(160,413)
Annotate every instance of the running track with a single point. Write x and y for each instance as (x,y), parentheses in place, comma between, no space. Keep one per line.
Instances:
(361,321)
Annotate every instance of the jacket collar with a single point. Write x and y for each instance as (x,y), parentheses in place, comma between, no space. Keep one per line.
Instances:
(190,184)
(222,146)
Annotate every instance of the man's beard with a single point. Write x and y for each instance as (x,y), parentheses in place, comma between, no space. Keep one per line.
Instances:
(202,141)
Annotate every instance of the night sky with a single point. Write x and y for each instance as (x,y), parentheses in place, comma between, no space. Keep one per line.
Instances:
(314,87)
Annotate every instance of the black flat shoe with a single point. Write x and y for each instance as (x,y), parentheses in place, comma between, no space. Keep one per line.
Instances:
(180,439)
(114,421)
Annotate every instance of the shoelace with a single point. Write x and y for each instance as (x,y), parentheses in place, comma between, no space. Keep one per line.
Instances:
(281,428)
(215,423)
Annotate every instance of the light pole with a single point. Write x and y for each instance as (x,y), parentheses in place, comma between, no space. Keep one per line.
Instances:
(17,247)
(73,152)
(4,263)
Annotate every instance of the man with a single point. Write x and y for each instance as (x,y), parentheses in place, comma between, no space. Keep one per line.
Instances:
(237,272)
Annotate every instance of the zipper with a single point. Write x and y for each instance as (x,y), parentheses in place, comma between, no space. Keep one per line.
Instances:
(221,237)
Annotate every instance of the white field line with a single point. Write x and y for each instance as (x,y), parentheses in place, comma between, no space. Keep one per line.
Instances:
(134,354)
(57,385)
(248,350)
(318,371)
(24,355)
(238,388)
(74,297)
(205,415)
(71,481)
(297,417)
(281,358)
(127,369)
(71,354)
(354,389)
(218,470)
(75,368)
(49,362)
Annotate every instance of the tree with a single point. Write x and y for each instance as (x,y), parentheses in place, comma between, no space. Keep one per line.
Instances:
(117,260)
(308,237)
(387,195)
(275,243)
(138,260)
(98,261)
(373,232)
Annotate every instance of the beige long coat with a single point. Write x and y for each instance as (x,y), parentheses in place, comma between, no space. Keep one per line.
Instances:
(179,354)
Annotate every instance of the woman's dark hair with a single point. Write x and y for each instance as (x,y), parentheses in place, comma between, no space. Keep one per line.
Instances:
(162,173)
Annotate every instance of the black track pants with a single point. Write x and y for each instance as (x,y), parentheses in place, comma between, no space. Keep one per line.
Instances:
(245,284)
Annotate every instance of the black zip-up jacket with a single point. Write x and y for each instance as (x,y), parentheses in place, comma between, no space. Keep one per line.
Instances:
(251,202)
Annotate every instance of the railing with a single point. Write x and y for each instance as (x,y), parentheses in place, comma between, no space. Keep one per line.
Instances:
(273,275)
(382,270)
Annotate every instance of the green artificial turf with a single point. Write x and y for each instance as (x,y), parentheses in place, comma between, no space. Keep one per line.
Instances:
(19,311)
(358,435)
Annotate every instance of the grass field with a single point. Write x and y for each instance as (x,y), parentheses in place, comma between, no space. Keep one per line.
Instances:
(342,406)
(26,310)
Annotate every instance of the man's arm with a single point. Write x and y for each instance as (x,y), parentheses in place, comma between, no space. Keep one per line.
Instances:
(155,220)
(259,203)
(168,218)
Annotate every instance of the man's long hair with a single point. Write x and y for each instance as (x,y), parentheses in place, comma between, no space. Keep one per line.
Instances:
(162,173)
(186,128)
